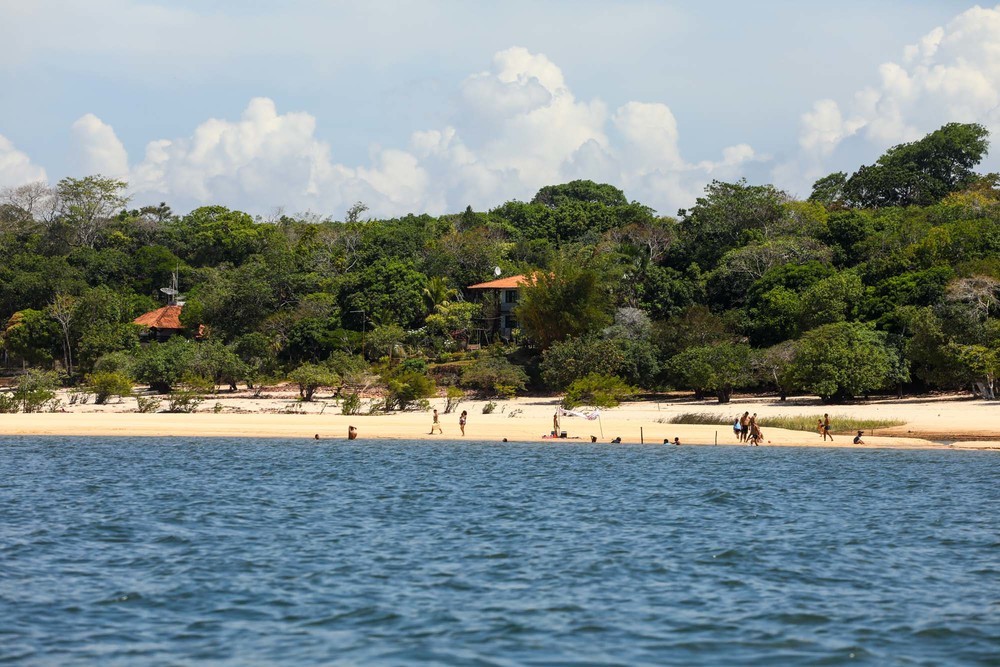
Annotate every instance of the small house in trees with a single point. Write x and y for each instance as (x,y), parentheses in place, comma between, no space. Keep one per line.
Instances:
(505,293)
(161,323)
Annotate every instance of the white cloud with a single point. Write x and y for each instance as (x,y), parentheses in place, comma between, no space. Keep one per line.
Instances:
(98,150)
(951,74)
(16,167)
(518,127)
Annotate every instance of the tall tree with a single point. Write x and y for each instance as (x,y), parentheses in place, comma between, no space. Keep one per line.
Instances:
(922,172)
(88,204)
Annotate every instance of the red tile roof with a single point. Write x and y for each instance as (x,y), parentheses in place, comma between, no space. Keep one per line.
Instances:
(502,283)
(168,317)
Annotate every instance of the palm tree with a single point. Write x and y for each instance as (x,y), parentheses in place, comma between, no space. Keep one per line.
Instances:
(437,293)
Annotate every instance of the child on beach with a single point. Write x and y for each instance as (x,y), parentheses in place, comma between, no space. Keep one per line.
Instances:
(857,438)
(461,421)
(436,424)
(826,427)
(737,430)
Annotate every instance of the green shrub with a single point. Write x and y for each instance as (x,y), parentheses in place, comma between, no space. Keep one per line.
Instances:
(9,403)
(351,404)
(184,400)
(406,387)
(148,403)
(453,397)
(492,374)
(311,377)
(104,385)
(36,388)
(600,391)
(489,408)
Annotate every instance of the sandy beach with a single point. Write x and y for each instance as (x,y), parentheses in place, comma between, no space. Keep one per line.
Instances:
(930,422)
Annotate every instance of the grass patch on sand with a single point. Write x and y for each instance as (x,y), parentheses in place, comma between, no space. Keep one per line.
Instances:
(838,423)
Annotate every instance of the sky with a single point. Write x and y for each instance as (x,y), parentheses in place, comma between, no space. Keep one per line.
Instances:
(430,106)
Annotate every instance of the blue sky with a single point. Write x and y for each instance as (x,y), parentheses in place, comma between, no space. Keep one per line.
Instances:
(429,106)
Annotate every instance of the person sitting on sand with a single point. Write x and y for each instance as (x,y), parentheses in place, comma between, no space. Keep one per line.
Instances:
(352,433)
(677,441)
(617,440)
(857,438)
(593,438)
(436,424)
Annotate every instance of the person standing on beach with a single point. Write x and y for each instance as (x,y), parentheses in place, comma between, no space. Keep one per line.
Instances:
(461,421)
(745,426)
(826,427)
(555,424)
(738,430)
(819,427)
(436,424)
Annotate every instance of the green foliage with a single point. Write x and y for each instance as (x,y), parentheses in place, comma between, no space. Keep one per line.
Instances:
(489,407)
(922,172)
(106,385)
(571,300)
(718,368)
(148,403)
(838,361)
(162,366)
(492,373)
(310,377)
(555,196)
(35,389)
(34,336)
(634,360)
(351,404)
(406,387)
(184,400)
(599,391)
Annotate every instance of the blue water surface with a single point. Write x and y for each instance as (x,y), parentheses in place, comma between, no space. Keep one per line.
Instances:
(241,552)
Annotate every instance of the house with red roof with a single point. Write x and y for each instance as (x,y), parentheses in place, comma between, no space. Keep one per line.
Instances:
(162,323)
(507,293)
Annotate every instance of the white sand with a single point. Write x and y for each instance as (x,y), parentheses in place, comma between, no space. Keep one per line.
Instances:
(524,419)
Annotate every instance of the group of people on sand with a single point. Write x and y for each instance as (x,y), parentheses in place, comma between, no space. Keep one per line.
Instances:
(748,430)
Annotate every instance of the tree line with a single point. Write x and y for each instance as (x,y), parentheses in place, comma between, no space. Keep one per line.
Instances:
(883,280)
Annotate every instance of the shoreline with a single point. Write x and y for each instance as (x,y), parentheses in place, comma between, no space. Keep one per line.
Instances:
(939,423)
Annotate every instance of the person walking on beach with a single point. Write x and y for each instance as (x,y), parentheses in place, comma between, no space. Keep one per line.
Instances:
(461,421)
(738,430)
(826,427)
(819,427)
(436,424)
(744,426)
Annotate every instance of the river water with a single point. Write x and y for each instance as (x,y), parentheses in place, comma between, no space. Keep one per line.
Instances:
(241,552)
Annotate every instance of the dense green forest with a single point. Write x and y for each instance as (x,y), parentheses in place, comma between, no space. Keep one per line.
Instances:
(884,280)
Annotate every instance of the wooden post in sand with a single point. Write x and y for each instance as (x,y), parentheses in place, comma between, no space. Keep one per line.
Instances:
(641,441)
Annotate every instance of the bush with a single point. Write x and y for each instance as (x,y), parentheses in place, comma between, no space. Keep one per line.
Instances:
(148,403)
(351,405)
(453,397)
(575,358)
(9,404)
(600,391)
(311,377)
(489,408)
(184,400)
(492,372)
(105,385)
(34,389)
(406,387)
(162,366)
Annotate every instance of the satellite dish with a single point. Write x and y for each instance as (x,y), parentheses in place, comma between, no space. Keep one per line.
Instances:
(168,290)
(497,271)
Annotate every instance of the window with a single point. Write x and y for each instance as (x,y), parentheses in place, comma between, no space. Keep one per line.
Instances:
(509,322)
(510,296)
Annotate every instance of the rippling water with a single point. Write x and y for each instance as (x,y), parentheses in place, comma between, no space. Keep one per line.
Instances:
(132,551)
